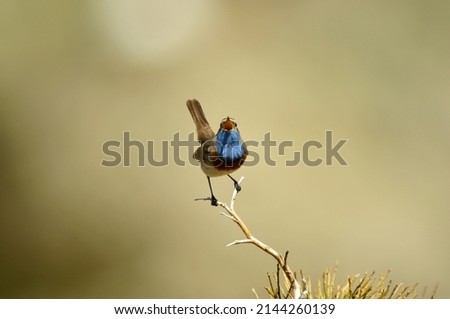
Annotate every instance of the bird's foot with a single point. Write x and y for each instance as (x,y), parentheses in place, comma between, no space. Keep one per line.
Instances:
(236,184)
(214,201)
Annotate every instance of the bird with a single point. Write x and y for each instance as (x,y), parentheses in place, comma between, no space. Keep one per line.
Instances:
(219,154)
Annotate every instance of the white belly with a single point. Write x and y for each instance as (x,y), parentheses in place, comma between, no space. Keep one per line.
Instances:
(214,172)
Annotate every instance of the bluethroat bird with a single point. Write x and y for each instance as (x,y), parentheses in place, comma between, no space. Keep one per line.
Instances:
(219,154)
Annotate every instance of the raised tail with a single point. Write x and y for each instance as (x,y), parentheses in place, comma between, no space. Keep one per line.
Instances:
(204,131)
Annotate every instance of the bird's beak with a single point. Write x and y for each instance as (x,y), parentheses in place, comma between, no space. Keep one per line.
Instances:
(228,124)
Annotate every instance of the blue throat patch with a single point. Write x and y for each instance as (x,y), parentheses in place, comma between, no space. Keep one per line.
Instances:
(229,146)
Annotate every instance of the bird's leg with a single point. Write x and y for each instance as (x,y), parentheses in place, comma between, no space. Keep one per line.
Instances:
(236,184)
(213,198)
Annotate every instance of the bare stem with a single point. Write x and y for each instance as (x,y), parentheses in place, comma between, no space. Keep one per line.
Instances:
(295,291)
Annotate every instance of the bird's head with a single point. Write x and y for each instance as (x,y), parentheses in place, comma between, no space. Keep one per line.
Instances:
(228,124)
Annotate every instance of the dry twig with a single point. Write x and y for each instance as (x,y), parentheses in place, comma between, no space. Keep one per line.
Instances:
(295,291)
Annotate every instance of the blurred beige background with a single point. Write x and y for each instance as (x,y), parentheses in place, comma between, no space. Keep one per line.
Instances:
(75,74)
